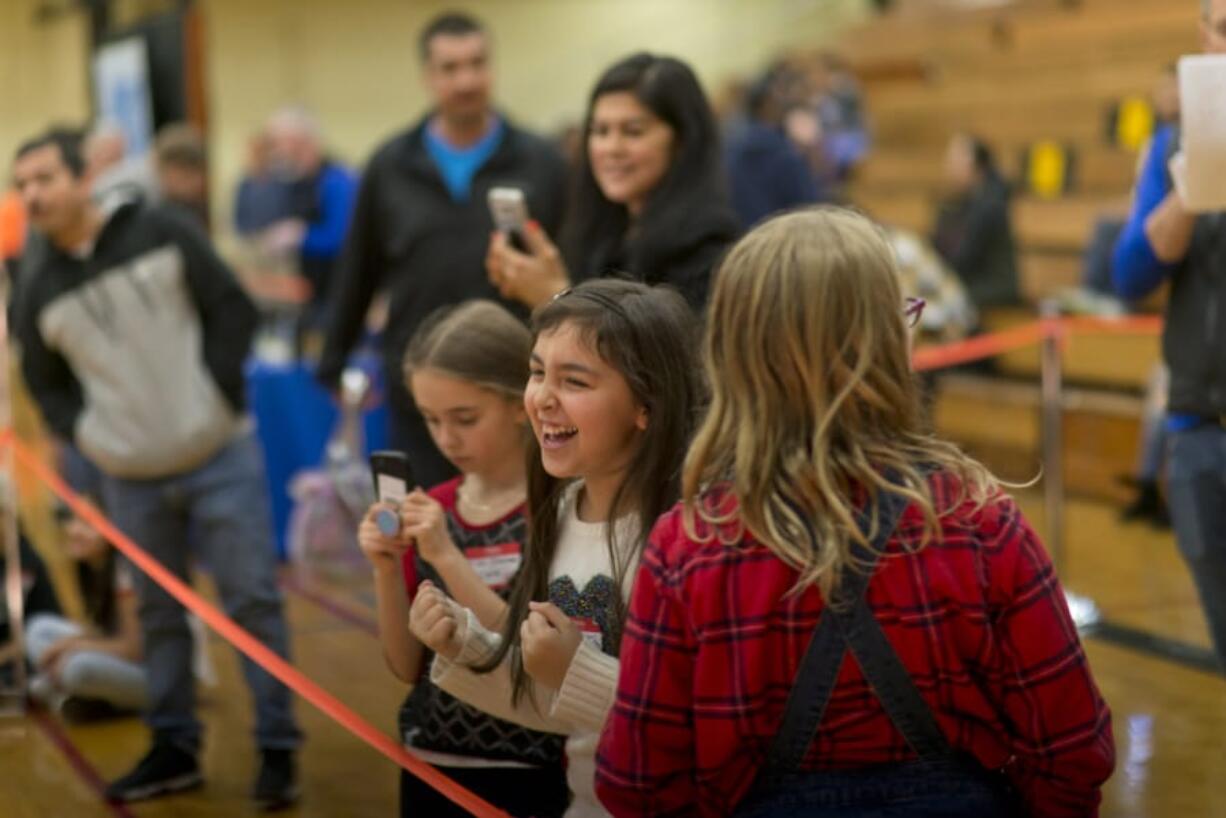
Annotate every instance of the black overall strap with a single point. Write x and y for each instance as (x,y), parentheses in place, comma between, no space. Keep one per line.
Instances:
(856,628)
(888,677)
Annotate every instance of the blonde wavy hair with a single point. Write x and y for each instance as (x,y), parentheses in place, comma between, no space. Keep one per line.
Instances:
(813,399)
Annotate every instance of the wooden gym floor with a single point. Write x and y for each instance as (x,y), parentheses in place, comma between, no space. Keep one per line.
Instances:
(1169,715)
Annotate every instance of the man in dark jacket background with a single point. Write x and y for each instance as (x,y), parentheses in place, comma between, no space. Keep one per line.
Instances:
(133,335)
(421,226)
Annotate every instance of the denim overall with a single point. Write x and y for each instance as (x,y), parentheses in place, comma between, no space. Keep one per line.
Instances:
(941,783)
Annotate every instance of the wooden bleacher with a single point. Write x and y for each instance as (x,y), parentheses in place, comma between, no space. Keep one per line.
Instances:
(1100,169)
(1028,71)
(998,422)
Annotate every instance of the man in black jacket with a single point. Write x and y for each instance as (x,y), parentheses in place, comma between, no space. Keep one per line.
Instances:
(421,226)
(133,335)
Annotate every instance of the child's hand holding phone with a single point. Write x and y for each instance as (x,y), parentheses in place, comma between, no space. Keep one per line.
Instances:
(379,534)
(382,551)
(423,521)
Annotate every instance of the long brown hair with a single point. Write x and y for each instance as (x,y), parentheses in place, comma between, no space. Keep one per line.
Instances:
(690,200)
(813,400)
(648,335)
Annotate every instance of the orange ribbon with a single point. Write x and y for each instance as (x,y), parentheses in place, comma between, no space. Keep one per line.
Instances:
(940,356)
(248,644)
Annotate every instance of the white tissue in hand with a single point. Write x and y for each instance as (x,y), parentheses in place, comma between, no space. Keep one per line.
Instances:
(1202,90)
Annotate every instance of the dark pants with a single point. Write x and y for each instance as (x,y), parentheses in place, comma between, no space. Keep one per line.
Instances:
(524,792)
(224,503)
(937,788)
(1196,485)
(407,432)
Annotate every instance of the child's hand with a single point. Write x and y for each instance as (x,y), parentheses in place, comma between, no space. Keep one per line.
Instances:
(438,621)
(422,519)
(383,552)
(549,640)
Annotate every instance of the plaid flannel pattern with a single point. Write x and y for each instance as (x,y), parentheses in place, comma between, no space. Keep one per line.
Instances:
(713,642)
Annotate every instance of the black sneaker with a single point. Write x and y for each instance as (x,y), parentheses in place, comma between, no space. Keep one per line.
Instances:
(165,769)
(82,710)
(277,786)
(1148,506)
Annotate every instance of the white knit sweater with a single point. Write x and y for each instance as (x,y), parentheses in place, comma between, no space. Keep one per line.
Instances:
(579,708)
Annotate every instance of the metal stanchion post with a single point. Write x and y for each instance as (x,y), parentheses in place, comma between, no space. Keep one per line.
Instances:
(1085,613)
(12,653)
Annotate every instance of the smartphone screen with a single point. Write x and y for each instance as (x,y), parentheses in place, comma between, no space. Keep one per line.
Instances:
(507,208)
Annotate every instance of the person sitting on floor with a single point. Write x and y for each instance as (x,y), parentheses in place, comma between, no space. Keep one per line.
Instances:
(92,670)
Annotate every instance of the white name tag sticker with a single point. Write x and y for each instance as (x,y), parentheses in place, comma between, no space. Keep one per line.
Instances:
(591,632)
(495,564)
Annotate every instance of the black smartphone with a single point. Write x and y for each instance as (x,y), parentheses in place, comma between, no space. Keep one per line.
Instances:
(393,481)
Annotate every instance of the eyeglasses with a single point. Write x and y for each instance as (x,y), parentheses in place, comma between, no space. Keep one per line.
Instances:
(913,310)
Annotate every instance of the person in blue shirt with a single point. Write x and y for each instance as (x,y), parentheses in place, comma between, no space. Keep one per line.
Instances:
(1163,241)
(321,194)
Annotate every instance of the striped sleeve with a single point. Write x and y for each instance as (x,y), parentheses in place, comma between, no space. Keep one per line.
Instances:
(586,695)
(491,692)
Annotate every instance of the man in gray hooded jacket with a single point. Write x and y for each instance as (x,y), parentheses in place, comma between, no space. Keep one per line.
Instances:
(133,335)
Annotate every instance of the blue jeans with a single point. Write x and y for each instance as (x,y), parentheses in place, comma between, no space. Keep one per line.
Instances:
(937,788)
(1196,485)
(90,674)
(225,505)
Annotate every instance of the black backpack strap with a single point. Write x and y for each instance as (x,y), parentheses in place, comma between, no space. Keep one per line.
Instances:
(819,668)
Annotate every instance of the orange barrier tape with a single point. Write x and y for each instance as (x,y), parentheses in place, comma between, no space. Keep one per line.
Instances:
(248,644)
(977,348)
(940,356)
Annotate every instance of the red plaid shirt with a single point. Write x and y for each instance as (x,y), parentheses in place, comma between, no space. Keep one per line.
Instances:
(713,643)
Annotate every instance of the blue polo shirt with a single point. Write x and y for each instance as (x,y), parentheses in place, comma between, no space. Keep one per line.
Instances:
(458,166)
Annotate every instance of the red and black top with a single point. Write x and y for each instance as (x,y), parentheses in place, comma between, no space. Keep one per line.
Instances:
(431,719)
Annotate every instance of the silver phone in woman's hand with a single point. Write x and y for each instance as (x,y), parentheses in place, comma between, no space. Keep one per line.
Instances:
(509,210)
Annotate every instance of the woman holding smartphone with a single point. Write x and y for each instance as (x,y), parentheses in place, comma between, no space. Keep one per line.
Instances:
(649,201)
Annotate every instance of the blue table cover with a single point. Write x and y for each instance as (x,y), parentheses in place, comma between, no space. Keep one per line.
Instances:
(295,417)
